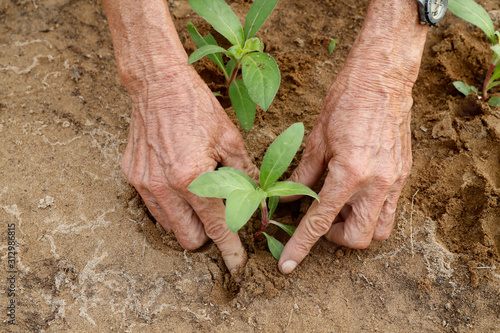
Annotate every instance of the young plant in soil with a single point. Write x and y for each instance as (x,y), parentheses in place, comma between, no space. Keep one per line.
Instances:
(243,196)
(471,12)
(332,45)
(260,72)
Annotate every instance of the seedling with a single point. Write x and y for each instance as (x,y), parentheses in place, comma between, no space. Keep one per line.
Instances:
(333,44)
(471,12)
(260,72)
(243,196)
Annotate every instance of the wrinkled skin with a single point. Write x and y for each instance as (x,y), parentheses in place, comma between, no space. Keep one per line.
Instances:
(179,131)
(173,139)
(362,137)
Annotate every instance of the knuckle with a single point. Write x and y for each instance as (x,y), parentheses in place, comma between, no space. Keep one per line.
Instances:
(217,231)
(317,226)
(190,243)
(234,137)
(182,177)
(301,172)
(189,238)
(303,248)
(358,243)
(136,178)
(359,173)
(156,187)
(361,232)
(381,236)
(388,178)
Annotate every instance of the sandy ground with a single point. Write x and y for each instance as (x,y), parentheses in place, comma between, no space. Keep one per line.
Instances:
(88,258)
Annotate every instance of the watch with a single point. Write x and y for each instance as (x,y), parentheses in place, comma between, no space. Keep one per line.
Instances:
(432,11)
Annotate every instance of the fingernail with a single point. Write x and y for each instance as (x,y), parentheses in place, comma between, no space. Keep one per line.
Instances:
(288,266)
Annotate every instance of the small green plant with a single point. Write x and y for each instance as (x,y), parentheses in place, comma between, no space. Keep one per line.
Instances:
(471,12)
(260,72)
(243,196)
(332,45)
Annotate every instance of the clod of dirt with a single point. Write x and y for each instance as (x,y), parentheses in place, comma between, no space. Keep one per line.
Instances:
(46,202)
(495,15)
(444,129)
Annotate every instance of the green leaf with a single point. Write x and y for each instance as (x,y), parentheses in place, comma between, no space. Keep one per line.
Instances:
(280,154)
(493,84)
(254,44)
(203,51)
(275,246)
(290,188)
(207,40)
(236,51)
(240,206)
(216,57)
(221,17)
(195,35)
(496,58)
(262,78)
(216,94)
(271,206)
(332,45)
(471,12)
(257,15)
(464,88)
(219,184)
(287,228)
(494,101)
(242,104)
(496,74)
(496,49)
(241,173)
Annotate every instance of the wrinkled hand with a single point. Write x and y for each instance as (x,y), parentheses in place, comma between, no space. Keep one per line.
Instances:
(178,131)
(362,137)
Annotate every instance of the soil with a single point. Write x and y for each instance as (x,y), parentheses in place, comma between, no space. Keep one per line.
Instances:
(90,259)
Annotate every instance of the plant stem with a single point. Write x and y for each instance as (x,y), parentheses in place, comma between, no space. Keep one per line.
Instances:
(487,82)
(233,76)
(265,218)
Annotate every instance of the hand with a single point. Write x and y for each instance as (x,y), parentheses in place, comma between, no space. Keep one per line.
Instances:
(362,136)
(178,131)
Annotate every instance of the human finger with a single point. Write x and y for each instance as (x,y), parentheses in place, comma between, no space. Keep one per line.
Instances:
(136,169)
(183,221)
(358,228)
(211,212)
(387,214)
(386,218)
(342,215)
(154,208)
(316,222)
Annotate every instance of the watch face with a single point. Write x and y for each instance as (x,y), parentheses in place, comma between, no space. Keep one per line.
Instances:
(432,11)
(437,9)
